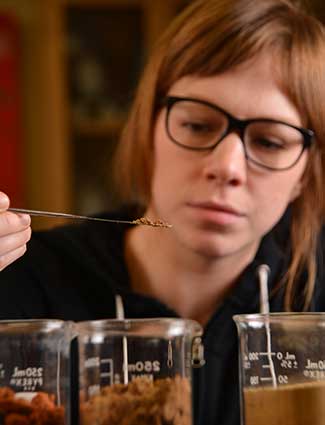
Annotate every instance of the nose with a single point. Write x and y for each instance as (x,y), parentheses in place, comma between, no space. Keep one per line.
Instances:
(226,164)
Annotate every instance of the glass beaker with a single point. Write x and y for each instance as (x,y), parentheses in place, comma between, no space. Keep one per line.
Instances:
(35,372)
(282,368)
(138,370)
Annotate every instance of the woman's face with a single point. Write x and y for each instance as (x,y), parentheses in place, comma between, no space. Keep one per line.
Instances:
(219,203)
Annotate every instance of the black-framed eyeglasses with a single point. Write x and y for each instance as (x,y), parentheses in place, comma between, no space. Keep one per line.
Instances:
(200,125)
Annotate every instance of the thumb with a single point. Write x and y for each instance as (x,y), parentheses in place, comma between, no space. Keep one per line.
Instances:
(4,201)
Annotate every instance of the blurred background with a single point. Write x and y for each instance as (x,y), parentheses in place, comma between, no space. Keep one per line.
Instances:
(68,69)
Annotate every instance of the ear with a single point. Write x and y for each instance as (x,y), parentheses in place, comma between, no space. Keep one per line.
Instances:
(296,191)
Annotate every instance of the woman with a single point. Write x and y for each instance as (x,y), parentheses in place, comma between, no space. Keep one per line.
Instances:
(225,141)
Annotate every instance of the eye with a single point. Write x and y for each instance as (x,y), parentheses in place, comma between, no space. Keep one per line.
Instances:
(196,127)
(268,144)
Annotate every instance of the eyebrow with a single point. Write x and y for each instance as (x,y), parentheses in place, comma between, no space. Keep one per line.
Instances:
(209,102)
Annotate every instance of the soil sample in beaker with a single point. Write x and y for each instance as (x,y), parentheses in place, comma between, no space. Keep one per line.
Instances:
(40,410)
(143,401)
(296,404)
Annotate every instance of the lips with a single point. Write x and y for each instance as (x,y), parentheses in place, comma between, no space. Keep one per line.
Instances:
(214,206)
(218,213)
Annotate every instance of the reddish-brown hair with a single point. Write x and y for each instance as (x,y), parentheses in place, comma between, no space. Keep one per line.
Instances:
(210,37)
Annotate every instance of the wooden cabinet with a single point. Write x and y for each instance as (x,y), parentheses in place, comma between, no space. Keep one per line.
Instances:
(81,61)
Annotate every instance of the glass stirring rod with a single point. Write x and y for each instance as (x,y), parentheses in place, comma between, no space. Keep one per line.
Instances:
(143,220)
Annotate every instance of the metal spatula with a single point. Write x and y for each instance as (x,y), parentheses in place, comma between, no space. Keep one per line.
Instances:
(143,220)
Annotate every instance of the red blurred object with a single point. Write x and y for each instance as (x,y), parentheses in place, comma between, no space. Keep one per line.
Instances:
(10,110)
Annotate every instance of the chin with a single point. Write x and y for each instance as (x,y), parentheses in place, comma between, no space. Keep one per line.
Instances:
(212,252)
(207,247)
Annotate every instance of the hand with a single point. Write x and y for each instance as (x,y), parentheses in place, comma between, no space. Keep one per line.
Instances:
(15,232)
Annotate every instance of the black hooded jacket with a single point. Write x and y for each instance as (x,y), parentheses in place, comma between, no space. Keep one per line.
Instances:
(74,273)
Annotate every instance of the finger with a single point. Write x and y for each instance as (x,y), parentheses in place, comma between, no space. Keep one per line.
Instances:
(11,256)
(12,223)
(14,241)
(4,201)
